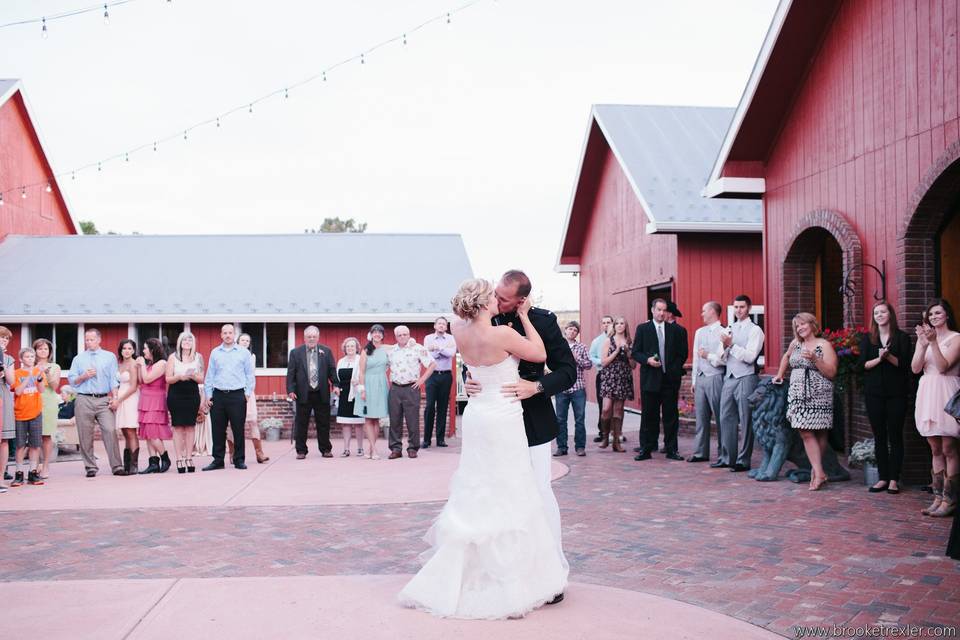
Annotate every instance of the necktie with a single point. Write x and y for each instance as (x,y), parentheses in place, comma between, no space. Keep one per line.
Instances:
(314,369)
(660,342)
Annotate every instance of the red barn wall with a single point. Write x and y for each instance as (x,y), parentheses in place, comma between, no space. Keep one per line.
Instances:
(22,163)
(879,106)
(619,260)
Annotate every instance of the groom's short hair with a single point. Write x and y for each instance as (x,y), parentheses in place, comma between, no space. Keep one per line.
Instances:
(519,278)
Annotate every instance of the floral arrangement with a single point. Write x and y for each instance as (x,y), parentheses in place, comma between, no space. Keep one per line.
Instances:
(271,423)
(686,409)
(846,342)
(863,453)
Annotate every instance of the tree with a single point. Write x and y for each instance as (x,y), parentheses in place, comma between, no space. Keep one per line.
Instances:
(336,225)
(88,228)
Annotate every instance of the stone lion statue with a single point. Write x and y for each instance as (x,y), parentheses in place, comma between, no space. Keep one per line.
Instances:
(780,442)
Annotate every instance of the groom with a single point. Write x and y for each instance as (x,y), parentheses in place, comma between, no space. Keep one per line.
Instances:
(534,389)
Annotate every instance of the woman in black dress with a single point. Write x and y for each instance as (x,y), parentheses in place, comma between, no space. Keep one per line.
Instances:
(184,377)
(885,361)
(346,373)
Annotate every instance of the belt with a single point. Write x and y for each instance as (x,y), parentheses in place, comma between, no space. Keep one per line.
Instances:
(447,371)
(229,390)
(94,395)
(408,384)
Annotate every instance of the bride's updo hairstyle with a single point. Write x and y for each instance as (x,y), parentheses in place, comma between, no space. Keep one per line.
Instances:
(471,298)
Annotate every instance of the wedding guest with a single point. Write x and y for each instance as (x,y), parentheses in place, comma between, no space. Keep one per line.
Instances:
(885,361)
(93,375)
(742,342)
(575,395)
(252,423)
(372,387)
(616,383)
(126,405)
(813,364)
(228,385)
(51,400)
(8,427)
(661,350)
(937,355)
(348,376)
(311,372)
(596,355)
(707,383)
(184,373)
(28,385)
(443,349)
(403,400)
(152,405)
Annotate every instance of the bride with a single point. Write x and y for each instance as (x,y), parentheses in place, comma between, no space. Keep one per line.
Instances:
(492,553)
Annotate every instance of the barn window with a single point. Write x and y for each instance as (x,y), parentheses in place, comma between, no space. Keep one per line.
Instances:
(167,332)
(268,342)
(64,339)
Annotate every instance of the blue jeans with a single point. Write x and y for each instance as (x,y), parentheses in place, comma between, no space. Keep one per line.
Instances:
(579,401)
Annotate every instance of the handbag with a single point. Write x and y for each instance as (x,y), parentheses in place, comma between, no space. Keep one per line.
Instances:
(953,406)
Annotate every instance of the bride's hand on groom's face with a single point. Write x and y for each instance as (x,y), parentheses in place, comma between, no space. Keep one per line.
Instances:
(524,306)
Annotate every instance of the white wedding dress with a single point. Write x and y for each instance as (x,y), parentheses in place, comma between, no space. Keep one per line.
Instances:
(492,553)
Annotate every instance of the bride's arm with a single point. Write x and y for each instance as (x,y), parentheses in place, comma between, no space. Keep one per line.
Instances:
(529,348)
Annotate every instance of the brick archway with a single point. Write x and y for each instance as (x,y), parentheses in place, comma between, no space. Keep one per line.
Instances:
(931,202)
(799,266)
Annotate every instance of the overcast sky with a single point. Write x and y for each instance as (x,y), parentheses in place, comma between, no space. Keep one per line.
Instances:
(475,127)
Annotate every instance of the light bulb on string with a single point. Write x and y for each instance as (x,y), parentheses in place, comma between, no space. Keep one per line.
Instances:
(126,157)
(184,134)
(218,122)
(73,175)
(324,76)
(404,38)
(23,192)
(250,108)
(1,198)
(448,17)
(48,189)
(362,59)
(154,145)
(286,93)
(99,166)
(43,29)
(106,15)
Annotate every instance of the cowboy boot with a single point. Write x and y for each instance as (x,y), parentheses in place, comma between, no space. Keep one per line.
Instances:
(937,491)
(134,462)
(605,432)
(949,503)
(164,462)
(258,448)
(617,424)
(126,461)
(153,466)
(230,448)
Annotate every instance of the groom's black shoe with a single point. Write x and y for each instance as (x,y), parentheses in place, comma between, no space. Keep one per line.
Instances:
(560,452)
(556,599)
(696,459)
(643,455)
(673,455)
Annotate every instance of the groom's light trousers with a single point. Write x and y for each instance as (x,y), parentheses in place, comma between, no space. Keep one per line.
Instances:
(540,457)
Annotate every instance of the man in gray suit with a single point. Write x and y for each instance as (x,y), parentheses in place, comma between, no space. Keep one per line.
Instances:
(742,343)
(707,380)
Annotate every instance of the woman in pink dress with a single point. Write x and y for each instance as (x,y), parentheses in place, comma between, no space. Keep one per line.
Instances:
(938,356)
(152,409)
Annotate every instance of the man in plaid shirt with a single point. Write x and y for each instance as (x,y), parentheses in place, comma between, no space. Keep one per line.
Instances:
(575,395)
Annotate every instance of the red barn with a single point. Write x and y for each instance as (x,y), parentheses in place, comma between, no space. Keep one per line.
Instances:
(30,199)
(638,228)
(848,131)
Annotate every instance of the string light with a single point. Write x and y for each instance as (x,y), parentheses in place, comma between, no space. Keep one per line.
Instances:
(49,188)
(1,199)
(68,14)
(106,15)
(215,120)
(23,192)
(43,31)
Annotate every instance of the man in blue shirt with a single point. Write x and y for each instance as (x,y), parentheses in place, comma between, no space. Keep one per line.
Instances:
(93,375)
(228,384)
(597,351)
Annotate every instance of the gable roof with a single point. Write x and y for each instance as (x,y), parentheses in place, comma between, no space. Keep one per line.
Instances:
(324,277)
(795,35)
(665,153)
(12,89)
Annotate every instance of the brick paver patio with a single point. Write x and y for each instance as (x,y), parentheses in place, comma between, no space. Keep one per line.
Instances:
(770,554)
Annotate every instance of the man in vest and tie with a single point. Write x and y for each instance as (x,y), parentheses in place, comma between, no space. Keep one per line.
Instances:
(707,380)
(742,343)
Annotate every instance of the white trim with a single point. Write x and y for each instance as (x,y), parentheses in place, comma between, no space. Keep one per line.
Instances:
(576,185)
(759,67)
(132,331)
(623,168)
(707,227)
(270,371)
(291,335)
(25,337)
(92,318)
(18,86)
(567,268)
(80,331)
(734,186)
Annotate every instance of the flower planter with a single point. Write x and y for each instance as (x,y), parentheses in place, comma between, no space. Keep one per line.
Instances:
(871,475)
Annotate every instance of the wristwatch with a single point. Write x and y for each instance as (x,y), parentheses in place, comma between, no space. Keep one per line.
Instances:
(539,387)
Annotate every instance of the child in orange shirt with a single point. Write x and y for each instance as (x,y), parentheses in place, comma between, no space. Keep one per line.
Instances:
(28,385)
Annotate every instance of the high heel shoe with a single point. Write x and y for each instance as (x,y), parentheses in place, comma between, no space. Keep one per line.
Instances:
(345,454)
(190,467)
(360,453)
(181,467)
(818,483)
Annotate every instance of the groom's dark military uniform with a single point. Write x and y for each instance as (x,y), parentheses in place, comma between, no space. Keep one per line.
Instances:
(539,417)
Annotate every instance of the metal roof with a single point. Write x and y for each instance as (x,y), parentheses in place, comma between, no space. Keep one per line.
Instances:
(328,277)
(667,154)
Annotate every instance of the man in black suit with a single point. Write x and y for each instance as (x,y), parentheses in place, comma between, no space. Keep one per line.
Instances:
(661,349)
(311,371)
(534,389)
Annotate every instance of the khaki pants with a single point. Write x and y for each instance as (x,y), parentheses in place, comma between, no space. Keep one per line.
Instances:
(88,412)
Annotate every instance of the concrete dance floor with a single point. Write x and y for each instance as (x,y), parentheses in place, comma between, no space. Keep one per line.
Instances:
(320,547)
